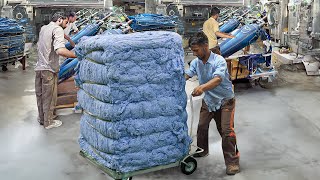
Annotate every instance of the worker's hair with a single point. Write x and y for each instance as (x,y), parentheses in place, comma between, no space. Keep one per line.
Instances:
(198,39)
(214,11)
(58,15)
(72,14)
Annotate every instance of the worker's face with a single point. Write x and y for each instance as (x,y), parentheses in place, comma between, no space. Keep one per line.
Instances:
(72,19)
(200,50)
(64,23)
(216,17)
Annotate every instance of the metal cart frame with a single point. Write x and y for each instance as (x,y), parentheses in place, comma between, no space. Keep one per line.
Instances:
(5,61)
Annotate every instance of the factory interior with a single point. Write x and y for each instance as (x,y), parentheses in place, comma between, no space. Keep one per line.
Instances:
(160,89)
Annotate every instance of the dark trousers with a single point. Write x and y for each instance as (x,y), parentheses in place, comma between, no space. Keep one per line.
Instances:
(46,92)
(224,118)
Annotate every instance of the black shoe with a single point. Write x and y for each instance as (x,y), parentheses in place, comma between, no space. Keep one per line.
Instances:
(40,122)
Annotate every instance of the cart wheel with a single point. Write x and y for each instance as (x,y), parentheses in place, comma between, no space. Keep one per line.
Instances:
(264,83)
(189,166)
(129,178)
(4,68)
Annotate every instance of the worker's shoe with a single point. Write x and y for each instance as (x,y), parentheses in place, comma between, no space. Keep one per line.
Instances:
(202,154)
(40,122)
(232,169)
(55,123)
(55,116)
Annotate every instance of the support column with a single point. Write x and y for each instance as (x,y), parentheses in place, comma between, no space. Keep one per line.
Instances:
(283,24)
(150,6)
(107,4)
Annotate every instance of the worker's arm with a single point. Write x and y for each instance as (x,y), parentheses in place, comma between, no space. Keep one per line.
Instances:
(187,76)
(70,40)
(218,75)
(191,71)
(65,53)
(223,35)
(75,28)
(58,43)
(207,86)
(216,30)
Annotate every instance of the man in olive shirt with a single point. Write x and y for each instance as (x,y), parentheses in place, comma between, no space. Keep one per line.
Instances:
(211,29)
(50,46)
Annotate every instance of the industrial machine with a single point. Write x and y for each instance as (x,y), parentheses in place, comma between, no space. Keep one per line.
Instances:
(295,25)
(67,69)
(89,30)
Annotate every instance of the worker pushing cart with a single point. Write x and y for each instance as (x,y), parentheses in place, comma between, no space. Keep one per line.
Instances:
(218,103)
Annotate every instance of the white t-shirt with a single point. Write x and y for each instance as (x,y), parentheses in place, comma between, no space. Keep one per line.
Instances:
(70,26)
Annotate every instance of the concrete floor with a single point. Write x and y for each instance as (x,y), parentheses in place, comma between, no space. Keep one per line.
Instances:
(278,134)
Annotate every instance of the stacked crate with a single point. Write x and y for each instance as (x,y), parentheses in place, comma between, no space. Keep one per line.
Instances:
(11,39)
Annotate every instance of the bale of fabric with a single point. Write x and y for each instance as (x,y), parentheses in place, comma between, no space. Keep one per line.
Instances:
(16,45)
(132,91)
(11,39)
(147,22)
(10,26)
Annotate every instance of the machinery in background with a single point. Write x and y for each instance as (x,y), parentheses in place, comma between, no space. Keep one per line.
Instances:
(255,67)
(295,26)
(191,16)
(232,24)
(147,22)
(89,30)
(110,25)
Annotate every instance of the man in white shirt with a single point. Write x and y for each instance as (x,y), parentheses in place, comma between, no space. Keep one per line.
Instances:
(71,27)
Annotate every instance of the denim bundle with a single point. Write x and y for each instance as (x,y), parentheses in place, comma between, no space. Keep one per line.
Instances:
(132,91)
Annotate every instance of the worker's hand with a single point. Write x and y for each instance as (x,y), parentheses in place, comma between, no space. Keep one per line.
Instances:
(197,91)
(72,43)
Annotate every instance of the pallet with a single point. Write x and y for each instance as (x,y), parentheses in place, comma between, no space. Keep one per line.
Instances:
(21,58)
(11,34)
(67,94)
(237,70)
(65,106)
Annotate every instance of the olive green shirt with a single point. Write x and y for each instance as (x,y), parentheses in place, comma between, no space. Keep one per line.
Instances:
(210,27)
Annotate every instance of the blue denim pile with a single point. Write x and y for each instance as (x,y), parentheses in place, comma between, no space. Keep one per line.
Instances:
(11,38)
(147,22)
(132,91)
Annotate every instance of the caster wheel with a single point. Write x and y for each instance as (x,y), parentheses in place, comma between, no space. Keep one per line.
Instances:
(4,68)
(264,83)
(129,178)
(189,166)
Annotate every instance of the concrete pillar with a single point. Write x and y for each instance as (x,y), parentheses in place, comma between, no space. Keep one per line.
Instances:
(283,21)
(151,6)
(107,3)
(250,2)
(1,3)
